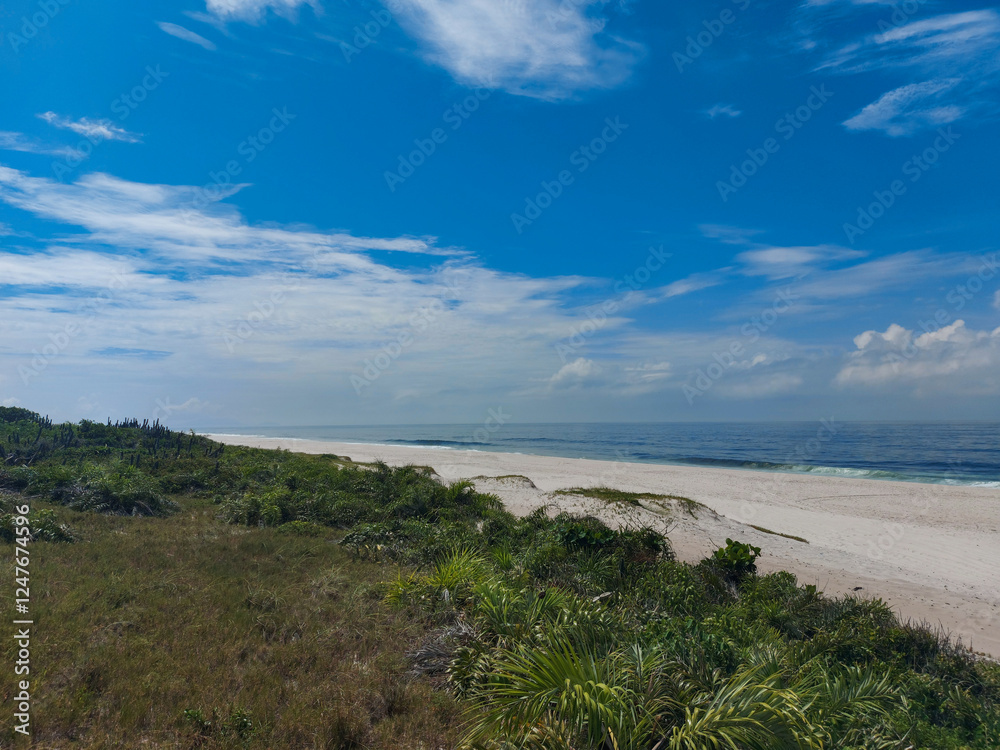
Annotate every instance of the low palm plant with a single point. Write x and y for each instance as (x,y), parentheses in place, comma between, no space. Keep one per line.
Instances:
(640,698)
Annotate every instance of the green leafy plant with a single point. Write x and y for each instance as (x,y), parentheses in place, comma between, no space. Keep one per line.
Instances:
(736,559)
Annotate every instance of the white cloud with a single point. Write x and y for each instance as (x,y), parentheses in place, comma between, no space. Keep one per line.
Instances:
(723,110)
(174,276)
(254,11)
(951,35)
(183,226)
(10,141)
(953,356)
(693,283)
(787,262)
(550,49)
(965,41)
(162,276)
(10,402)
(62,267)
(187,35)
(648,372)
(575,372)
(956,56)
(898,271)
(102,129)
(908,109)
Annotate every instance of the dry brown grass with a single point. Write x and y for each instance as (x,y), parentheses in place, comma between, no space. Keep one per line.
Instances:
(148,618)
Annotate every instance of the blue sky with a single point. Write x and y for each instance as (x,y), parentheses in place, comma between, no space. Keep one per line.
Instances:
(274,211)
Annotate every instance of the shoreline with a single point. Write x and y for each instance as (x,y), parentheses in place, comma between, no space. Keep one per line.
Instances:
(928,550)
(816,470)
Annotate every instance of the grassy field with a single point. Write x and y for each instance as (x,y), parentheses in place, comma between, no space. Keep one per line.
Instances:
(192,595)
(186,631)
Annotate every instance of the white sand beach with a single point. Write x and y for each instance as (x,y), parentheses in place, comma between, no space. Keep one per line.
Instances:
(930,551)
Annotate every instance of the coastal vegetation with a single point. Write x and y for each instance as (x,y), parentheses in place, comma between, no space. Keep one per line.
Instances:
(194,595)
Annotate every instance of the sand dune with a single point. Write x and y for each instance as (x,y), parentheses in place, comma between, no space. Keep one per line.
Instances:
(931,551)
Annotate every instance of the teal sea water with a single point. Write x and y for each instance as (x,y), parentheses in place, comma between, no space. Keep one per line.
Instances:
(961,453)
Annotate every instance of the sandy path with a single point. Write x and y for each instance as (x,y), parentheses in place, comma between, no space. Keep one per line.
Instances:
(931,551)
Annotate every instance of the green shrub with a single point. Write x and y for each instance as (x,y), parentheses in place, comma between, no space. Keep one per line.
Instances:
(736,560)
(44,526)
(15,478)
(115,489)
(582,532)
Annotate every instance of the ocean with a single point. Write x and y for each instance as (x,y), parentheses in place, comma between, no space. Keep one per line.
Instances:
(960,453)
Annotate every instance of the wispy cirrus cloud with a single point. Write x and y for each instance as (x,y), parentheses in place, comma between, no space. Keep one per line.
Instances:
(965,40)
(820,275)
(909,108)
(100,129)
(955,55)
(186,34)
(693,283)
(899,271)
(777,262)
(11,141)
(968,38)
(175,222)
